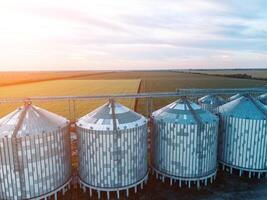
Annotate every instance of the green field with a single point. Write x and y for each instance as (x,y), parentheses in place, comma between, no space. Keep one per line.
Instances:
(119,82)
(169,81)
(69,87)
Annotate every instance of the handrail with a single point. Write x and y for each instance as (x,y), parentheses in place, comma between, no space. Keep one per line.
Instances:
(179,93)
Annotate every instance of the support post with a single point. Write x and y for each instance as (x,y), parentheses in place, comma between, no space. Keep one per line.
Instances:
(205,182)
(118,194)
(127,192)
(98,194)
(198,184)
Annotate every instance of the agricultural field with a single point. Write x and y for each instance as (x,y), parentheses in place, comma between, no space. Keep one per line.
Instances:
(257,73)
(169,81)
(11,78)
(69,87)
(85,83)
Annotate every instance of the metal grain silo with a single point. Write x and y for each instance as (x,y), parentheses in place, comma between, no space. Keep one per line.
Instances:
(34,154)
(243,135)
(263,98)
(184,143)
(236,96)
(211,102)
(112,146)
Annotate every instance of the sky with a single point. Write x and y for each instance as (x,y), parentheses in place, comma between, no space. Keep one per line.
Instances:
(132,34)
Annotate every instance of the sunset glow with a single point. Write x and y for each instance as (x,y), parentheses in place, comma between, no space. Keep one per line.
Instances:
(132,34)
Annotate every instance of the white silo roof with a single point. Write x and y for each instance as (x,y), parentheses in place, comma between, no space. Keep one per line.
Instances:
(263,97)
(179,112)
(212,100)
(245,108)
(30,120)
(236,96)
(103,118)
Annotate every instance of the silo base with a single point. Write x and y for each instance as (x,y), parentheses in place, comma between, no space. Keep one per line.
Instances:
(185,181)
(107,191)
(64,188)
(241,171)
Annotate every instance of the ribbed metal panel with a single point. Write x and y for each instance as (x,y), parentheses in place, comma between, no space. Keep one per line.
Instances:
(33,165)
(112,160)
(243,135)
(178,153)
(112,155)
(243,143)
(181,150)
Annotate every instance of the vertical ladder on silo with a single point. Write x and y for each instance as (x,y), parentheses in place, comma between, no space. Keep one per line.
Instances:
(16,147)
(115,140)
(200,126)
(150,130)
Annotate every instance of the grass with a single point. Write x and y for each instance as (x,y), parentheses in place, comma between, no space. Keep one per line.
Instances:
(151,81)
(69,87)
(169,81)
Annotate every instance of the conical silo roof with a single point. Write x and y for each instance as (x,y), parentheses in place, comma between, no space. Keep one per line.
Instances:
(183,111)
(212,100)
(263,98)
(30,120)
(244,107)
(236,96)
(111,116)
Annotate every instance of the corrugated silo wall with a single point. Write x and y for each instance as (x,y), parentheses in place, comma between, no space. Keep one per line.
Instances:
(112,159)
(207,107)
(177,152)
(44,164)
(242,143)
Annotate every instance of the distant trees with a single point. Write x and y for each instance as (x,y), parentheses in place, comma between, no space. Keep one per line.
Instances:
(246,76)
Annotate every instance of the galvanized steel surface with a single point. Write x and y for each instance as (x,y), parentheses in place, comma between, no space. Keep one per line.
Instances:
(111,158)
(36,121)
(263,98)
(236,96)
(179,112)
(33,163)
(182,147)
(243,134)
(102,118)
(211,102)
(243,108)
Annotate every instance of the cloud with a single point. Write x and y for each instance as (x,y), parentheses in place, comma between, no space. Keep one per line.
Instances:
(133,33)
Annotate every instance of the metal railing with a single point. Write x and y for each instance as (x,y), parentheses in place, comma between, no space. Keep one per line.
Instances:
(195,92)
